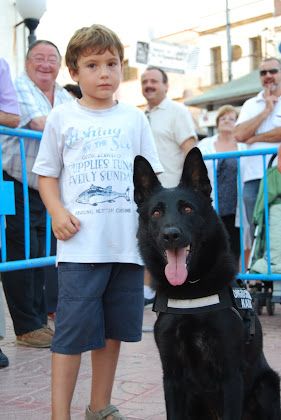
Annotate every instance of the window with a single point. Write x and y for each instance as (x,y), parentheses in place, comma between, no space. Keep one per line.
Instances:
(255,52)
(216,66)
(129,73)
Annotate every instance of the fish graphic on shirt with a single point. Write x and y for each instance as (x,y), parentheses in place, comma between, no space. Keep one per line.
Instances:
(96,195)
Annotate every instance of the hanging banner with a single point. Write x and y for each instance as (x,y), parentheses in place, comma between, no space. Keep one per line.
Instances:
(170,57)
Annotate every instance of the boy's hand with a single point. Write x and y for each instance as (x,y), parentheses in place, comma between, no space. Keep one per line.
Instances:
(64,224)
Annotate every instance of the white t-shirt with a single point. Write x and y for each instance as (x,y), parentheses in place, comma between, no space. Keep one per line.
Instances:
(171,124)
(92,154)
(250,109)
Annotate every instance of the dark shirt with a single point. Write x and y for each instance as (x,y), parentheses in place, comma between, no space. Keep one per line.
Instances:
(227,186)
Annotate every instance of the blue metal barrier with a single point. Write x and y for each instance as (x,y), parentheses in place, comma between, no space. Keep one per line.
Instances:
(7,206)
(238,154)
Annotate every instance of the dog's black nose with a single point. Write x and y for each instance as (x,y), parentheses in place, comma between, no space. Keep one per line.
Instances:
(171,235)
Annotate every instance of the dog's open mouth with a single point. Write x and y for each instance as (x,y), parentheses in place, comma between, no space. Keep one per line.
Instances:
(176,268)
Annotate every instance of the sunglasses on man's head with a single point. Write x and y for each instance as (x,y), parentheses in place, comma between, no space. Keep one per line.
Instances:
(271,71)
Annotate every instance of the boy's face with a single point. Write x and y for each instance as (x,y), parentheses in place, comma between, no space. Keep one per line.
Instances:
(99,76)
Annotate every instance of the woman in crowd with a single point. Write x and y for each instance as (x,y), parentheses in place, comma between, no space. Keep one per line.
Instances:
(224,141)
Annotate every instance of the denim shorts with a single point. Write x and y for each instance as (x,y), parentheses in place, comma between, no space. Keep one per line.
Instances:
(97,302)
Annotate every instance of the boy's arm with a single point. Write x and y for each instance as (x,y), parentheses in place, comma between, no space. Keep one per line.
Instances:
(64,224)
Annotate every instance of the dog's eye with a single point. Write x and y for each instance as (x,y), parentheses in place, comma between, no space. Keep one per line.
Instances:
(156,213)
(187,210)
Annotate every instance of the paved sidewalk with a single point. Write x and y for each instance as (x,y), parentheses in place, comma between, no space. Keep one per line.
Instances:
(25,384)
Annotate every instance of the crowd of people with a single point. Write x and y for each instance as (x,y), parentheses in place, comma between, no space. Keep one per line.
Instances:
(99,279)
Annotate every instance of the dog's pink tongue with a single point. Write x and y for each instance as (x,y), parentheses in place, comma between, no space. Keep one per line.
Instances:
(175,270)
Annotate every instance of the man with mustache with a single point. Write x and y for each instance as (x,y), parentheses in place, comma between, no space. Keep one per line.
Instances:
(173,131)
(171,123)
(259,126)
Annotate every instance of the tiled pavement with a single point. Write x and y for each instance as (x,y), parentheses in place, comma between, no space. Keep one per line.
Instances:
(25,384)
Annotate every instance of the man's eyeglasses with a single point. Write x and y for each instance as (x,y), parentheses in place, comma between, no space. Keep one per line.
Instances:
(274,70)
(40,60)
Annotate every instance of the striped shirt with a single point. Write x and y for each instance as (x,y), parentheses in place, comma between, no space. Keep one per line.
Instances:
(33,103)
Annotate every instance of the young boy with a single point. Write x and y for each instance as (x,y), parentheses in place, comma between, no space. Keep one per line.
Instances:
(85,168)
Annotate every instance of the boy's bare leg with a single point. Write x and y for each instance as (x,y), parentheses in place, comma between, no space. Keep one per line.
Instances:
(104,363)
(146,278)
(65,370)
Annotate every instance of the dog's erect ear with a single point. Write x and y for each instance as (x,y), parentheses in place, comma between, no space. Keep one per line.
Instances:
(145,180)
(195,174)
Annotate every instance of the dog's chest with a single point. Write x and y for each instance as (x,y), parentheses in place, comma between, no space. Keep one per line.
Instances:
(191,342)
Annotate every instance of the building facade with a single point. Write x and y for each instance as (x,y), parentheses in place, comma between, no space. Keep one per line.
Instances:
(230,45)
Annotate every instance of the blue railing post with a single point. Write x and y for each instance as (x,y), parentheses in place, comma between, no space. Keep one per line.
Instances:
(25,201)
(7,206)
(266,213)
(240,202)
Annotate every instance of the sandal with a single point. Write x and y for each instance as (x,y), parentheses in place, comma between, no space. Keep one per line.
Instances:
(102,414)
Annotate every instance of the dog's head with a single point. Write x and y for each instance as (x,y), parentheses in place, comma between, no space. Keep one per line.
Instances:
(194,176)
(177,224)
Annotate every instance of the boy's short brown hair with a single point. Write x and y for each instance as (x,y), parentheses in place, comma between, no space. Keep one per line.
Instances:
(97,39)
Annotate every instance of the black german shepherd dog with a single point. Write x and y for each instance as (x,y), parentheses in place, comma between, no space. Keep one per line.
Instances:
(208,336)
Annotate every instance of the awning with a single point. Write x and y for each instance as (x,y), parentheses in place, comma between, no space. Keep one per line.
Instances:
(233,93)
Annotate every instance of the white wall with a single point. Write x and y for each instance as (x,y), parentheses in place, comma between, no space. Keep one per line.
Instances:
(12,39)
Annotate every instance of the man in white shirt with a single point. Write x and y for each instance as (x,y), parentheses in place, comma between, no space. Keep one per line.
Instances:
(171,123)
(173,131)
(259,126)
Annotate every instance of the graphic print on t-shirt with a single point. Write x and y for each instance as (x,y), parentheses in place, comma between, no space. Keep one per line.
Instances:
(99,168)
(96,195)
